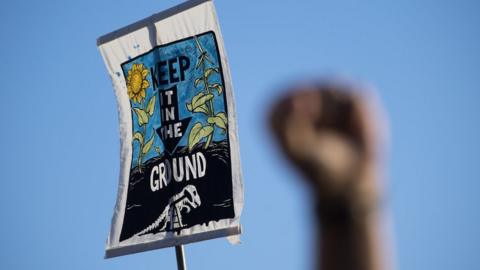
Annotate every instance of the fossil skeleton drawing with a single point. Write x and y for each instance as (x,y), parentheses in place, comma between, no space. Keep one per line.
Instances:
(171,217)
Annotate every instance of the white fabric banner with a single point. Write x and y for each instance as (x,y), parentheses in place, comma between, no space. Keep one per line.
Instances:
(180,175)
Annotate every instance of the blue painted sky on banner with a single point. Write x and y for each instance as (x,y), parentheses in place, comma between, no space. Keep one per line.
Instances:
(186,88)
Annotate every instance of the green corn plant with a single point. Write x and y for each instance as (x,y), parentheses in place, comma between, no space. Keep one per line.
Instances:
(203,102)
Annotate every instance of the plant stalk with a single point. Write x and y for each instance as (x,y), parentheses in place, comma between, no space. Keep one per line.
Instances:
(210,102)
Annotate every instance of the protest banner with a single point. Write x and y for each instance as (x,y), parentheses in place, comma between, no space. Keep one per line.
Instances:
(180,177)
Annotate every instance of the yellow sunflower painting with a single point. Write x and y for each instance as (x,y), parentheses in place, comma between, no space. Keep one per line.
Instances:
(137,82)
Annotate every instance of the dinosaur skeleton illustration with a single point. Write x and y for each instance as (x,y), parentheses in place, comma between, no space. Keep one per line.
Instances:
(186,200)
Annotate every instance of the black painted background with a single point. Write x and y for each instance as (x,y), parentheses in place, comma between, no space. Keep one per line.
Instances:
(214,188)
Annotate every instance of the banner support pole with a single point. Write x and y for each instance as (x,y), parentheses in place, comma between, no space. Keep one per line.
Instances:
(180,253)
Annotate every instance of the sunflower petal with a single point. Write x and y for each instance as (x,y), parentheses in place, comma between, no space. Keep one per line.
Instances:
(145,84)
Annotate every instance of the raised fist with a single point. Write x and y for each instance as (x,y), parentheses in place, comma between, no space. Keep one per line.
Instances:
(328,131)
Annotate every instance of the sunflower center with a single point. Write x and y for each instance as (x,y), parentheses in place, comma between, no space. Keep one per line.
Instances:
(136,82)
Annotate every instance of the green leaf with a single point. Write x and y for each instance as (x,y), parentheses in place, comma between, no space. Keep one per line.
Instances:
(138,136)
(197,133)
(220,120)
(223,116)
(201,99)
(201,109)
(209,140)
(209,71)
(151,106)
(218,87)
(198,103)
(197,81)
(148,145)
(141,116)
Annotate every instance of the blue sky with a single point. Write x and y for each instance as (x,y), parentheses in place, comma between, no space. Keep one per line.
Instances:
(60,142)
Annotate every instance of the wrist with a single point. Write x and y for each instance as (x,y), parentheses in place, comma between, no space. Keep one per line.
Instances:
(358,201)
(344,213)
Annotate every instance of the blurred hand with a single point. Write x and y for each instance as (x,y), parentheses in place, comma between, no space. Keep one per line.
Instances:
(328,133)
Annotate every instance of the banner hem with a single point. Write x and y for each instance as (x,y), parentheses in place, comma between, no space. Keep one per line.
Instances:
(164,243)
(145,22)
